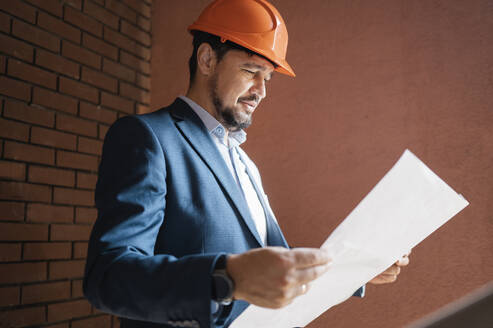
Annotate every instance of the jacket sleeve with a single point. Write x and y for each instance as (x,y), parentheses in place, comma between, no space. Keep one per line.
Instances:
(123,275)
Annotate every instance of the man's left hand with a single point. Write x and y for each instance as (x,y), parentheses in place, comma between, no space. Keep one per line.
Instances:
(390,275)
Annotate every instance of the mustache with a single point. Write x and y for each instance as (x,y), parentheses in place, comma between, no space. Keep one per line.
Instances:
(250,98)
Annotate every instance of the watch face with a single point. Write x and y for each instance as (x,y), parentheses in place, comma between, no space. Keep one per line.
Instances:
(223,287)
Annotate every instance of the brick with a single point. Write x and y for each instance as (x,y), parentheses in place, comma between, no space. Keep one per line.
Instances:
(55,100)
(60,325)
(77,289)
(103,129)
(14,88)
(66,269)
(36,36)
(135,93)
(142,109)
(61,232)
(74,3)
(50,175)
(144,23)
(94,322)
(121,10)
(136,34)
(3,62)
(143,81)
(86,180)
(96,113)
(143,38)
(80,250)
(53,138)
(47,251)
(99,46)
(22,112)
(24,317)
(99,80)
(12,170)
(78,89)
(46,292)
(29,153)
(84,22)
(57,63)
(31,73)
(58,27)
(10,252)
(11,211)
(119,40)
(52,6)
(134,62)
(4,24)
(73,196)
(143,52)
(24,191)
(118,70)
(23,231)
(101,14)
(85,215)
(16,48)
(139,6)
(22,272)
(117,102)
(9,296)
(19,9)
(77,161)
(76,125)
(81,55)
(49,213)
(90,146)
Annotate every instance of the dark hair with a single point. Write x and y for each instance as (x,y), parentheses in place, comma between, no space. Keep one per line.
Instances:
(220,48)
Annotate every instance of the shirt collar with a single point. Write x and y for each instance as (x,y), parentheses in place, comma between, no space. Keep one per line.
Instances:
(215,128)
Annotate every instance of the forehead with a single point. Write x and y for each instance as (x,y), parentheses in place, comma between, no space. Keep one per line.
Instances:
(242,58)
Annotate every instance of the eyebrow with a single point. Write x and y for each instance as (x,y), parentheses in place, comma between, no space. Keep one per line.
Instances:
(253,65)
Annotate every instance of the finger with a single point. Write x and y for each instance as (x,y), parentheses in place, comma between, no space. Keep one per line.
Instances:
(309,257)
(403,261)
(383,279)
(305,275)
(393,270)
(301,290)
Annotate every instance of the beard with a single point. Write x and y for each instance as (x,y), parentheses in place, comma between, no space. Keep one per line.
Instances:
(232,119)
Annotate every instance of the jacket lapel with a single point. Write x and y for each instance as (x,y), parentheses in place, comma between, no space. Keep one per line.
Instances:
(198,137)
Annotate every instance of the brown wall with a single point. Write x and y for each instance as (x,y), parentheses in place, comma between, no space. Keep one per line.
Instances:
(68,69)
(373,78)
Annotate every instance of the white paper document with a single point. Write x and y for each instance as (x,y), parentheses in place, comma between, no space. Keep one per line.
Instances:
(405,207)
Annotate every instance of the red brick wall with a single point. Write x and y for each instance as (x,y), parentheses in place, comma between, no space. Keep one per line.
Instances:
(68,69)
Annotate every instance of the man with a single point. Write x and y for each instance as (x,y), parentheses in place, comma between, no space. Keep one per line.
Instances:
(185,236)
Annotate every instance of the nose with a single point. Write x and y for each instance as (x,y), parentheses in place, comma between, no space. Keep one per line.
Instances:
(258,87)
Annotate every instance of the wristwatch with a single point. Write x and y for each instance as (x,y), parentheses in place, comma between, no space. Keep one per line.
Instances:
(222,284)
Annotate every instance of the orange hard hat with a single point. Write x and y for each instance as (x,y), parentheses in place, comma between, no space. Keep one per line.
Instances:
(253,24)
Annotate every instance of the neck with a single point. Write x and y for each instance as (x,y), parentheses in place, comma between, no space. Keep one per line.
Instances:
(201,97)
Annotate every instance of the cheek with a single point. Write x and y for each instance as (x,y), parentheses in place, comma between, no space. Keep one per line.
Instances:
(234,90)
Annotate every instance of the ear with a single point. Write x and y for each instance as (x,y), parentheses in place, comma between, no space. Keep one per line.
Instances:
(206,59)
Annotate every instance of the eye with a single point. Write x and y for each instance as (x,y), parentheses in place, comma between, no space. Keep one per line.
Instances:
(248,71)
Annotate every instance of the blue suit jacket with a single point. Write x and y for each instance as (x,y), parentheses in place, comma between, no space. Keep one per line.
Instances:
(167,208)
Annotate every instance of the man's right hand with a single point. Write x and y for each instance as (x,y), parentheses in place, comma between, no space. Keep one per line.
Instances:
(273,277)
